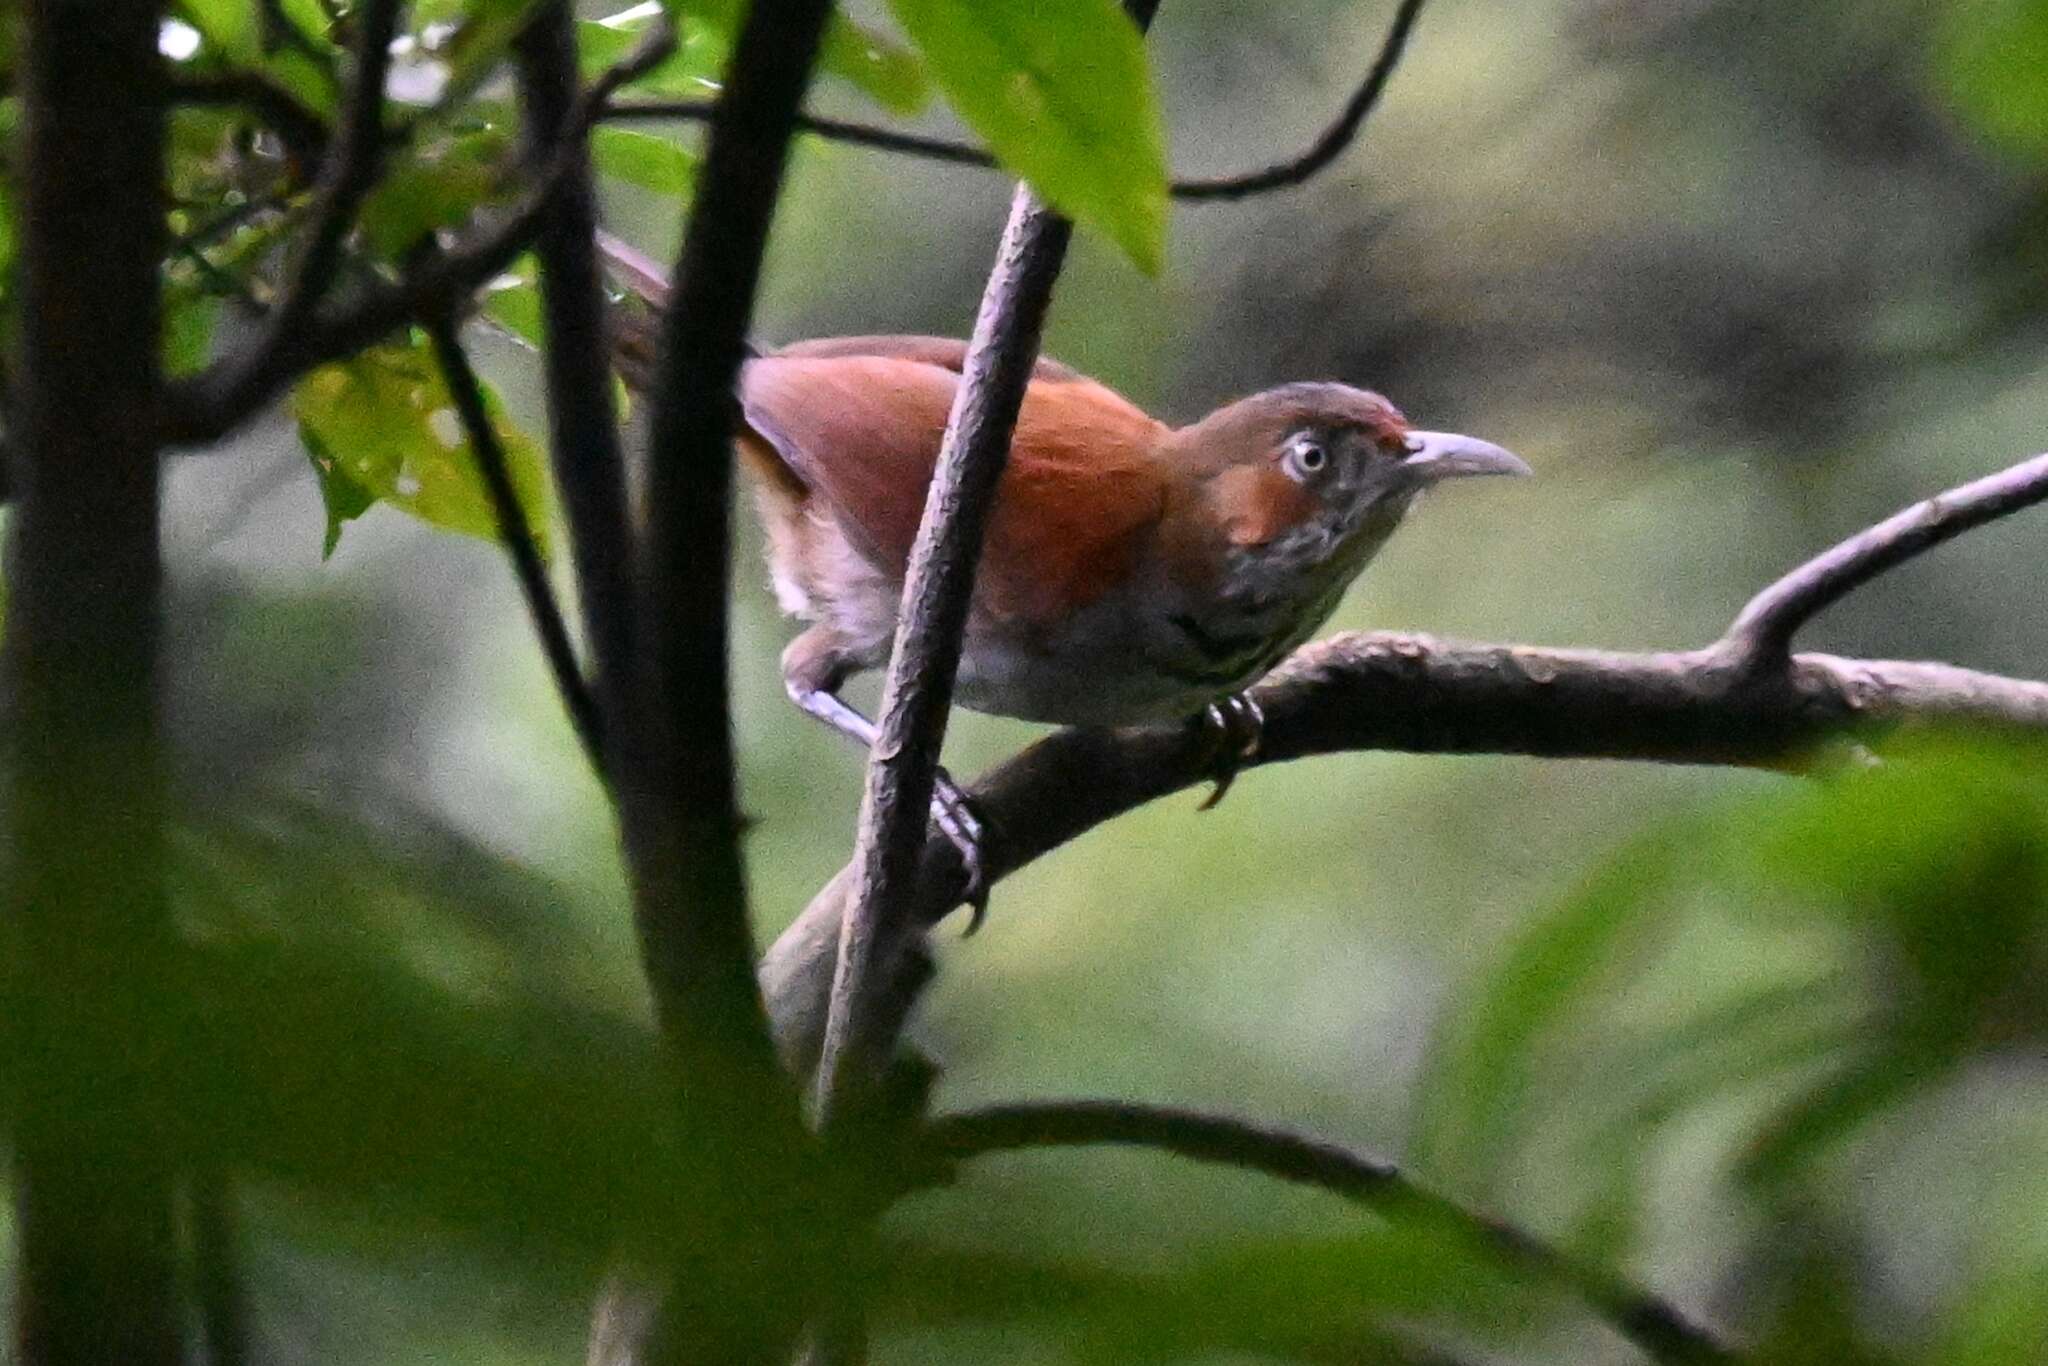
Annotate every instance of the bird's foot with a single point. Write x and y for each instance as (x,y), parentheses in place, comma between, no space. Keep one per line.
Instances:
(957,821)
(1236,728)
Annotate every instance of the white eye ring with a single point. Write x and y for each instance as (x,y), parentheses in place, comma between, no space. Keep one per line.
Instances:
(1305,456)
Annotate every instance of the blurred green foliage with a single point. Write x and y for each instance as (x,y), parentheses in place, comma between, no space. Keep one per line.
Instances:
(1738,276)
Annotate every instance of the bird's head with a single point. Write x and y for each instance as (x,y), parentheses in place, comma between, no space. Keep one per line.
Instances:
(1307,481)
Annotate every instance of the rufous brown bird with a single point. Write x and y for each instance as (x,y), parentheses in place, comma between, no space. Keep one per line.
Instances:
(1132,571)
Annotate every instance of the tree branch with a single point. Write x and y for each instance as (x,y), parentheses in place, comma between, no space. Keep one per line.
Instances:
(673,769)
(1653,1324)
(932,621)
(583,433)
(88,926)
(1761,637)
(346,176)
(1327,147)
(1413,693)
(513,530)
(208,406)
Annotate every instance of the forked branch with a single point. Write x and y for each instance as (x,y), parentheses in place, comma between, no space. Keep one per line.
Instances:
(1761,637)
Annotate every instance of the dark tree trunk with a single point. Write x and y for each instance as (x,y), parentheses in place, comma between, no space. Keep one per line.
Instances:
(93,1177)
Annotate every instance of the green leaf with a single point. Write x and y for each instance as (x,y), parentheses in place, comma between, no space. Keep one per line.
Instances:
(877,65)
(513,302)
(189,320)
(1061,92)
(439,186)
(382,428)
(1989,58)
(1481,1065)
(645,159)
(690,72)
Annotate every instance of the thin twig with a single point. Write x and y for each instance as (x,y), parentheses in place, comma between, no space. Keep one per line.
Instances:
(209,405)
(513,529)
(583,432)
(348,173)
(1327,147)
(1653,1324)
(1761,637)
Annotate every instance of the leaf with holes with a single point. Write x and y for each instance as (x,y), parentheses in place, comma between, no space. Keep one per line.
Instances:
(382,428)
(1062,94)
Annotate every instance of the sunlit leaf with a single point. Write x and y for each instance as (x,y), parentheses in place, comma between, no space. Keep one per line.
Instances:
(1062,94)
(382,428)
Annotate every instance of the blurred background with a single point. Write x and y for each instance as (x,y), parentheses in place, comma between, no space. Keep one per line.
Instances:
(1737,277)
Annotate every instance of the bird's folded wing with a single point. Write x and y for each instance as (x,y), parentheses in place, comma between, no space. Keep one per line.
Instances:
(861,429)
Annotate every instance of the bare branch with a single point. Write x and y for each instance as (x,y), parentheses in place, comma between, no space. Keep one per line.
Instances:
(1419,695)
(937,589)
(1761,638)
(1653,1324)
(583,431)
(517,535)
(673,764)
(208,406)
(1328,146)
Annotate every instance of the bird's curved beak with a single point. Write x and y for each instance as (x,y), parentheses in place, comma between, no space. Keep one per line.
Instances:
(1446,455)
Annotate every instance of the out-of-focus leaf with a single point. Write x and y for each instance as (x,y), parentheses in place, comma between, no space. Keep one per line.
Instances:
(871,61)
(1482,1063)
(483,31)
(438,186)
(2000,1321)
(381,428)
(880,67)
(1360,1298)
(189,319)
(1989,58)
(690,72)
(645,159)
(513,302)
(1061,92)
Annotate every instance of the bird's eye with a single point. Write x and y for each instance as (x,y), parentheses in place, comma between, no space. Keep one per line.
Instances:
(1305,456)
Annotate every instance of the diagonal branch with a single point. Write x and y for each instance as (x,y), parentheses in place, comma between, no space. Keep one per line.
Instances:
(1761,638)
(517,536)
(1653,1324)
(932,622)
(1330,144)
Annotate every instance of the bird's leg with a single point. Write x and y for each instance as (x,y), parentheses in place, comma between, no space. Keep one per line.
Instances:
(813,670)
(1236,727)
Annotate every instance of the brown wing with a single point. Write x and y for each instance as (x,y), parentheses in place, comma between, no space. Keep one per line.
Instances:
(862,432)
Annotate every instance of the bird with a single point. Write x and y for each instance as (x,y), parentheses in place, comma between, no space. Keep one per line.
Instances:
(1132,571)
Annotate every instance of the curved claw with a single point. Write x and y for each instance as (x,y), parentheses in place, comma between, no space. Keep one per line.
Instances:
(954,815)
(1237,726)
